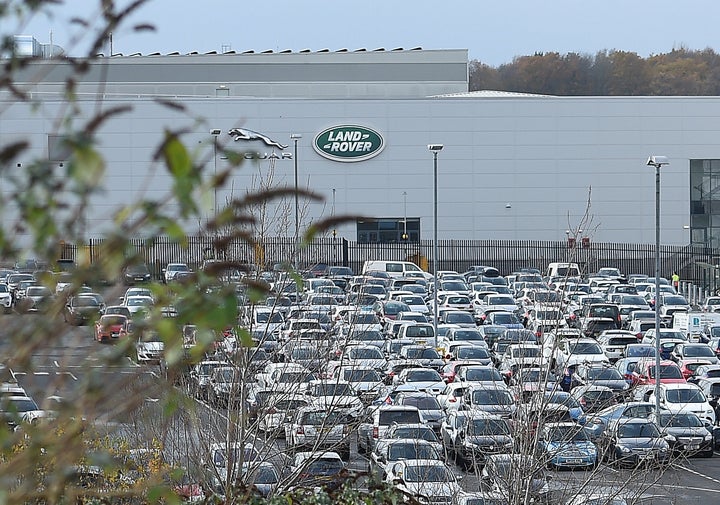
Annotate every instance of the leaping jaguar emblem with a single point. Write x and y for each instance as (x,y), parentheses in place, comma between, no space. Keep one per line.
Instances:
(245,134)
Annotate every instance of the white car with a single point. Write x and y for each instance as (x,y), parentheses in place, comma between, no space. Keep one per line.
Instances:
(429,480)
(5,298)
(138,303)
(684,398)
(570,352)
(173,270)
(150,348)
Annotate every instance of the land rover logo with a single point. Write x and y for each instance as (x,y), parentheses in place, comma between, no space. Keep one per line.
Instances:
(348,143)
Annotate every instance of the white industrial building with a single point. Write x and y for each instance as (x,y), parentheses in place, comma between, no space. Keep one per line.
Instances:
(513,166)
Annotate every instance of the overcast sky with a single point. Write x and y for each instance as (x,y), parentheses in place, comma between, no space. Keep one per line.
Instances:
(492,32)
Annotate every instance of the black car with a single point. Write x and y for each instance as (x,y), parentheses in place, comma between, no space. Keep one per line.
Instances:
(136,274)
(686,433)
(633,441)
(84,308)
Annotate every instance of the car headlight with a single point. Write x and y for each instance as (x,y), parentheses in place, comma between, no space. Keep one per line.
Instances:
(670,438)
(708,437)
(709,412)
(623,448)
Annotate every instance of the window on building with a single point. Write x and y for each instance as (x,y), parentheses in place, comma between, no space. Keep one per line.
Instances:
(388,230)
(705,202)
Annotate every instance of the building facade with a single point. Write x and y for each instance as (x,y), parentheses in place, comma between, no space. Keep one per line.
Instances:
(513,166)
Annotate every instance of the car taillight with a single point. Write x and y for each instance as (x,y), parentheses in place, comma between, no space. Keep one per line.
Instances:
(271,410)
(300,430)
(376,432)
(452,400)
(346,430)
(583,402)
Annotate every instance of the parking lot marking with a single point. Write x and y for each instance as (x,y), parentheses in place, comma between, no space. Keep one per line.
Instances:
(695,472)
(67,373)
(705,489)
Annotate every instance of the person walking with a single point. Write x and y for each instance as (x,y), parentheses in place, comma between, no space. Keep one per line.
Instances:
(676,281)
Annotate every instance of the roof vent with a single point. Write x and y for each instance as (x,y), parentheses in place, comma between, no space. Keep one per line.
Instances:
(267,51)
(343,50)
(248,52)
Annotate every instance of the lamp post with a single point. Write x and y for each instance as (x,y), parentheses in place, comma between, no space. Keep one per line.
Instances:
(657,162)
(435,149)
(215,132)
(404,233)
(295,137)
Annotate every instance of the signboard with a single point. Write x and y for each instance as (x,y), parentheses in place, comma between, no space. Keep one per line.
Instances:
(348,143)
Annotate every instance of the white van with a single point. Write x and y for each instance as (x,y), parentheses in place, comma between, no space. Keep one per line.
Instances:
(394,268)
(563,270)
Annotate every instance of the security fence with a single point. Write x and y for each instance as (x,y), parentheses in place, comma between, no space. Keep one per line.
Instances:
(695,264)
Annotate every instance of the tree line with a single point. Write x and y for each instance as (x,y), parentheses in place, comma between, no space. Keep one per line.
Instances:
(681,72)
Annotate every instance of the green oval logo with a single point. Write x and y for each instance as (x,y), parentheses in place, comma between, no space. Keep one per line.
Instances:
(348,143)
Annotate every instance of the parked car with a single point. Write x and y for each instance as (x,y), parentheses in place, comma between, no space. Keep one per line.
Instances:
(136,274)
(686,433)
(632,441)
(110,328)
(84,308)
(563,445)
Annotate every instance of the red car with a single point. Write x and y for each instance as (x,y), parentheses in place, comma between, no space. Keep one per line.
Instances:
(644,373)
(450,370)
(111,327)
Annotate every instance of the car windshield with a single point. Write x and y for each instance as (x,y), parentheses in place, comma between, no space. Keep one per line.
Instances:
(86,301)
(680,421)
(423,376)
(637,430)
(482,374)
(504,318)
(428,473)
(388,417)
(674,300)
(685,395)
(417,330)
(459,318)
(640,351)
(411,450)
(472,353)
(331,389)
(501,300)
(552,315)
(272,317)
(469,335)
(492,397)
(416,432)
(604,374)
(412,300)
(422,402)
(633,300)
(698,351)
(304,353)
(422,353)
(567,433)
(546,297)
(526,352)
(19,405)
(603,311)
(295,377)
(263,475)
(325,467)
(487,427)
(562,399)
(113,320)
(454,286)
(666,372)
(366,336)
(323,418)
(585,348)
(361,376)
(364,353)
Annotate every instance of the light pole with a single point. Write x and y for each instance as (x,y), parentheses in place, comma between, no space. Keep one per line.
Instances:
(435,149)
(215,132)
(404,233)
(295,137)
(657,162)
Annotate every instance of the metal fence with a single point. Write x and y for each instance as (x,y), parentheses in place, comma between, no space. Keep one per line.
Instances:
(694,264)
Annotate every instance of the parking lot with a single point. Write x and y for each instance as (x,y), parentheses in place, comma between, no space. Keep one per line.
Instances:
(282,403)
